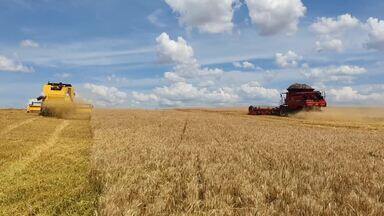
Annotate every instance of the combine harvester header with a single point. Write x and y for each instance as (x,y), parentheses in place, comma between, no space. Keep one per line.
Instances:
(58,100)
(300,97)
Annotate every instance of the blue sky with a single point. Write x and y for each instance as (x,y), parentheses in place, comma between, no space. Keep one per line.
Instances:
(231,52)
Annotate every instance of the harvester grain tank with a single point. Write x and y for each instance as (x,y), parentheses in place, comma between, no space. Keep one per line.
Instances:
(298,97)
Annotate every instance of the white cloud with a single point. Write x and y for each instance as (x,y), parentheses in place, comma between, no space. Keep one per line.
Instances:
(343,73)
(375,28)
(182,55)
(189,84)
(141,97)
(248,65)
(290,59)
(374,88)
(186,94)
(342,70)
(244,65)
(211,16)
(120,81)
(255,91)
(331,31)
(195,71)
(29,43)
(154,18)
(173,77)
(104,96)
(170,51)
(11,65)
(237,64)
(329,44)
(327,26)
(276,16)
(348,95)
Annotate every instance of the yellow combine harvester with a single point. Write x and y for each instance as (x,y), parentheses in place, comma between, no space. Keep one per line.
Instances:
(58,100)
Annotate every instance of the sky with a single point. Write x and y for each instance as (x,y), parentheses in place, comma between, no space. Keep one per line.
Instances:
(192,53)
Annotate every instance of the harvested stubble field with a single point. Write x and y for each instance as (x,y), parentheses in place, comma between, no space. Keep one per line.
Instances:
(193,162)
(44,165)
(223,162)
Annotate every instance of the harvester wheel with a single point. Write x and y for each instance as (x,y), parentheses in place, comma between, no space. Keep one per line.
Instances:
(250,109)
(283,111)
(44,112)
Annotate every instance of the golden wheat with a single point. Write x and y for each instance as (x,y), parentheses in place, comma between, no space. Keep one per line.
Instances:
(198,162)
(193,162)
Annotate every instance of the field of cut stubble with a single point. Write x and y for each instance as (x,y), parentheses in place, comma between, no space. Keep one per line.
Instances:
(223,162)
(45,165)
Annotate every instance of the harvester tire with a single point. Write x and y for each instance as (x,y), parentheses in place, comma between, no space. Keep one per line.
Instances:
(283,111)
(250,109)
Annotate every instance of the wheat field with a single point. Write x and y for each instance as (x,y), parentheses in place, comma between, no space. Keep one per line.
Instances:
(193,162)
(224,162)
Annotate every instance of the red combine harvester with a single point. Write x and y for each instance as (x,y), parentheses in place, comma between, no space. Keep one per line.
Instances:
(298,98)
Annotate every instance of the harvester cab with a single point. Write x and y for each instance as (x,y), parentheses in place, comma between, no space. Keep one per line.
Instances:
(34,106)
(298,97)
